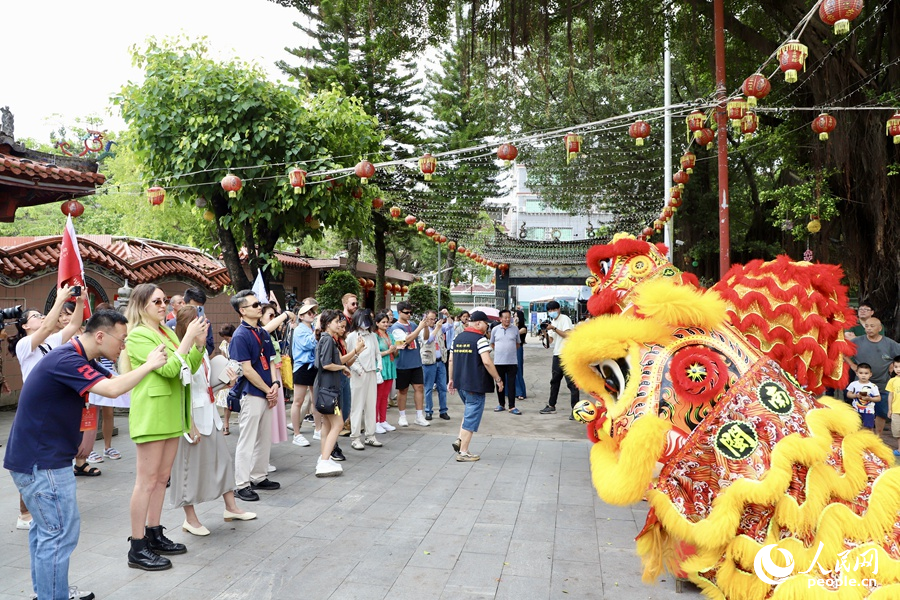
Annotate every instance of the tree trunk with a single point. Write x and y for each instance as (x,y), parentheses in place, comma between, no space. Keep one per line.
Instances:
(447,276)
(353,246)
(380,225)
(230,251)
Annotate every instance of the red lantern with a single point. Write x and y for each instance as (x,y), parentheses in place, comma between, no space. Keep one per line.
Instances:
(823,125)
(461,249)
(72,208)
(680,178)
(451,246)
(444,240)
(792,58)
(737,108)
(427,164)
(695,122)
(156,195)
(507,152)
(232,184)
(370,284)
(429,232)
(749,124)
(573,146)
(404,289)
(756,87)
(395,212)
(839,13)
(675,202)
(410,220)
(639,130)
(667,213)
(298,180)
(397,288)
(658,225)
(388,287)
(377,203)
(357,193)
(365,171)
(420,226)
(893,127)
(647,232)
(706,137)
(361,281)
(688,161)
(675,192)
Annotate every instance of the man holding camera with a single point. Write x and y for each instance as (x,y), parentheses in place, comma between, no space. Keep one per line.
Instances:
(558,329)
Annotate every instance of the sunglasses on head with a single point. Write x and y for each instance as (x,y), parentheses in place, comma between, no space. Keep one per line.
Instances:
(254,305)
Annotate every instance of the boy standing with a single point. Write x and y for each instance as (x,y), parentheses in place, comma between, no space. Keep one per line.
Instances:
(893,390)
(864,395)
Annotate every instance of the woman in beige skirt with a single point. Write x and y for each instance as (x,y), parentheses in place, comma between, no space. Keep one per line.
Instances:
(203,468)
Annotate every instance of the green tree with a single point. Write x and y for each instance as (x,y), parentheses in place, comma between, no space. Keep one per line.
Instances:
(193,120)
(337,283)
(424,297)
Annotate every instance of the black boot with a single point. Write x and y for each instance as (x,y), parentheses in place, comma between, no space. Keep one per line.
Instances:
(140,556)
(160,544)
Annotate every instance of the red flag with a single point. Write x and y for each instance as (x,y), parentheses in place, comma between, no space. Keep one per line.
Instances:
(71,269)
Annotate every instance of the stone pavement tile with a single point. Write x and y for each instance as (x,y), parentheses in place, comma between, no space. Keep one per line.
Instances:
(410,526)
(438,551)
(15,580)
(617,534)
(536,523)
(584,495)
(255,584)
(219,574)
(470,496)
(305,510)
(572,579)
(455,521)
(529,559)
(489,538)
(621,573)
(419,583)
(573,516)
(579,546)
(325,527)
(508,489)
(515,587)
(421,509)
(523,447)
(353,545)
(498,512)
(475,574)
(291,557)
(318,580)
(351,590)
(616,513)
(378,569)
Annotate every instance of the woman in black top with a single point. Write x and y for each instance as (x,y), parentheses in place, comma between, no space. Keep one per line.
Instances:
(327,389)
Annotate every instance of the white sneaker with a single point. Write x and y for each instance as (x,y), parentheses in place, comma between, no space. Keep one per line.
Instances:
(379,428)
(299,440)
(357,445)
(317,435)
(388,427)
(328,468)
(24,524)
(271,469)
(402,422)
(422,422)
(290,426)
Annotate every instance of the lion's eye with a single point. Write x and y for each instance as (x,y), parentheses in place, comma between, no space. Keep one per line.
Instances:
(605,265)
(614,374)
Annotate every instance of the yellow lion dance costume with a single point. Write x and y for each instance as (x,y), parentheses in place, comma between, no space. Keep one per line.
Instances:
(701,410)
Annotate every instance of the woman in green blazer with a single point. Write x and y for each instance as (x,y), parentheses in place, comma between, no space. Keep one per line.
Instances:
(160,413)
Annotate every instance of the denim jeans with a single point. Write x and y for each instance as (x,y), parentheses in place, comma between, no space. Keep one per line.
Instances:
(435,375)
(345,397)
(49,495)
(474,408)
(520,376)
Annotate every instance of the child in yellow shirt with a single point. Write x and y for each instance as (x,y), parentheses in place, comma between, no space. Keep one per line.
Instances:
(893,389)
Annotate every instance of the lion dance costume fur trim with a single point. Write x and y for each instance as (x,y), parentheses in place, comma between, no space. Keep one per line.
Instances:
(705,407)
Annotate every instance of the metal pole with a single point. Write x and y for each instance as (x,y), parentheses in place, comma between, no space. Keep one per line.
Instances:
(669,236)
(722,123)
(438,307)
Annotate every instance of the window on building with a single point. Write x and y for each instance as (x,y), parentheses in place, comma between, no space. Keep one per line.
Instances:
(565,234)
(535,234)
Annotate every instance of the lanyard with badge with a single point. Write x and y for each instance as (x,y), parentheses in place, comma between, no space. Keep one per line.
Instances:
(262,354)
(89,412)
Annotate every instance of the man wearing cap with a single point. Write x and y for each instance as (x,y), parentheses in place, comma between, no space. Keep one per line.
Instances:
(472,372)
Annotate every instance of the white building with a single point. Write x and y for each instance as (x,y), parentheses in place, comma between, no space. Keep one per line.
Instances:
(529,218)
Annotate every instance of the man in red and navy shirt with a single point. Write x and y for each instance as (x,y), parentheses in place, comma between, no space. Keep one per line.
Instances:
(471,371)
(46,436)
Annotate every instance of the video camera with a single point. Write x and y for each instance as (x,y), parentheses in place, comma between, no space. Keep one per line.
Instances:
(12,313)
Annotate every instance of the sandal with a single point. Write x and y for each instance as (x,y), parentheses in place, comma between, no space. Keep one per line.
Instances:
(225,431)
(515,411)
(86,470)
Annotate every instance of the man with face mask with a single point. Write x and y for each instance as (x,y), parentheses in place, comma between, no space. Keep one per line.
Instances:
(558,329)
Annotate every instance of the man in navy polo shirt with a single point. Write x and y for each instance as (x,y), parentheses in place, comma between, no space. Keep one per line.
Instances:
(46,436)
(258,390)
(471,371)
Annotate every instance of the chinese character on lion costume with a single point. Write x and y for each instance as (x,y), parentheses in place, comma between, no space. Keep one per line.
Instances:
(707,404)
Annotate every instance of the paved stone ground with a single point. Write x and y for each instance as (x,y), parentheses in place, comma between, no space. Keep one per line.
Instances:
(404,521)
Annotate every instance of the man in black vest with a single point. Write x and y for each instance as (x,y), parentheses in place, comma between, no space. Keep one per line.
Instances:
(471,371)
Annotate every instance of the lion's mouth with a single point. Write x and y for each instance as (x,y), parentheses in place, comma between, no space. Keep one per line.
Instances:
(614,374)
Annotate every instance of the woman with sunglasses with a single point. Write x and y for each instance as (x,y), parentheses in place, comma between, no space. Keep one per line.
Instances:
(160,414)
(303,353)
(327,388)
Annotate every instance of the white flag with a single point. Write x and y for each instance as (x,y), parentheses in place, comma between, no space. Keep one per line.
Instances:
(259,288)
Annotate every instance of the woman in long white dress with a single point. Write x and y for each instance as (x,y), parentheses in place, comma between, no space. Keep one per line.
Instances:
(204,468)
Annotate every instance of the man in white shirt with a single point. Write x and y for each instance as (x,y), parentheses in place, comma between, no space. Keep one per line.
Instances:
(559,328)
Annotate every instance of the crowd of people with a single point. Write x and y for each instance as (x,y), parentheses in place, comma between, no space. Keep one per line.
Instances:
(159,360)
